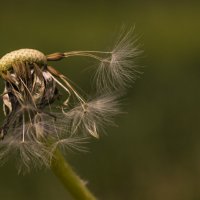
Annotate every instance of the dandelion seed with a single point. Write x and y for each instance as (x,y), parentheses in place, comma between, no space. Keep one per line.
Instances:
(36,123)
(116,71)
(92,116)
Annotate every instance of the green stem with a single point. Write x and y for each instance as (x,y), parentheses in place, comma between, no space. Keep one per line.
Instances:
(69,178)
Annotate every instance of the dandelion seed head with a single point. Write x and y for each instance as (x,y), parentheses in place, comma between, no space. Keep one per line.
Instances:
(22,55)
(38,119)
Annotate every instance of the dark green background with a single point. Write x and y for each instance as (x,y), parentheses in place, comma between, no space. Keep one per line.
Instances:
(154,154)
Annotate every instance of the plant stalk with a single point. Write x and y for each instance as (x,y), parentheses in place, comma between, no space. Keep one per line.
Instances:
(69,178)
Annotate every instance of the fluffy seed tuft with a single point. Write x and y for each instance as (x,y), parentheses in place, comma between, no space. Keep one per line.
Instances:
(92,116)
(116,71)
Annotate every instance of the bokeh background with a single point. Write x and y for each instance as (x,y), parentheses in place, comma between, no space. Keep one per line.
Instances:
(154,153)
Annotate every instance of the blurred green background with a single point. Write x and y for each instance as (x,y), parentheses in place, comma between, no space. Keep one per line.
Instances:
(154,154)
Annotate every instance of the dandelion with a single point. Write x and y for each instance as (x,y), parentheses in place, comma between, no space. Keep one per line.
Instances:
(36,123)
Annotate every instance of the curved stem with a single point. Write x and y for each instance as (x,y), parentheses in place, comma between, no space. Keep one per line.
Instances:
(69,178)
